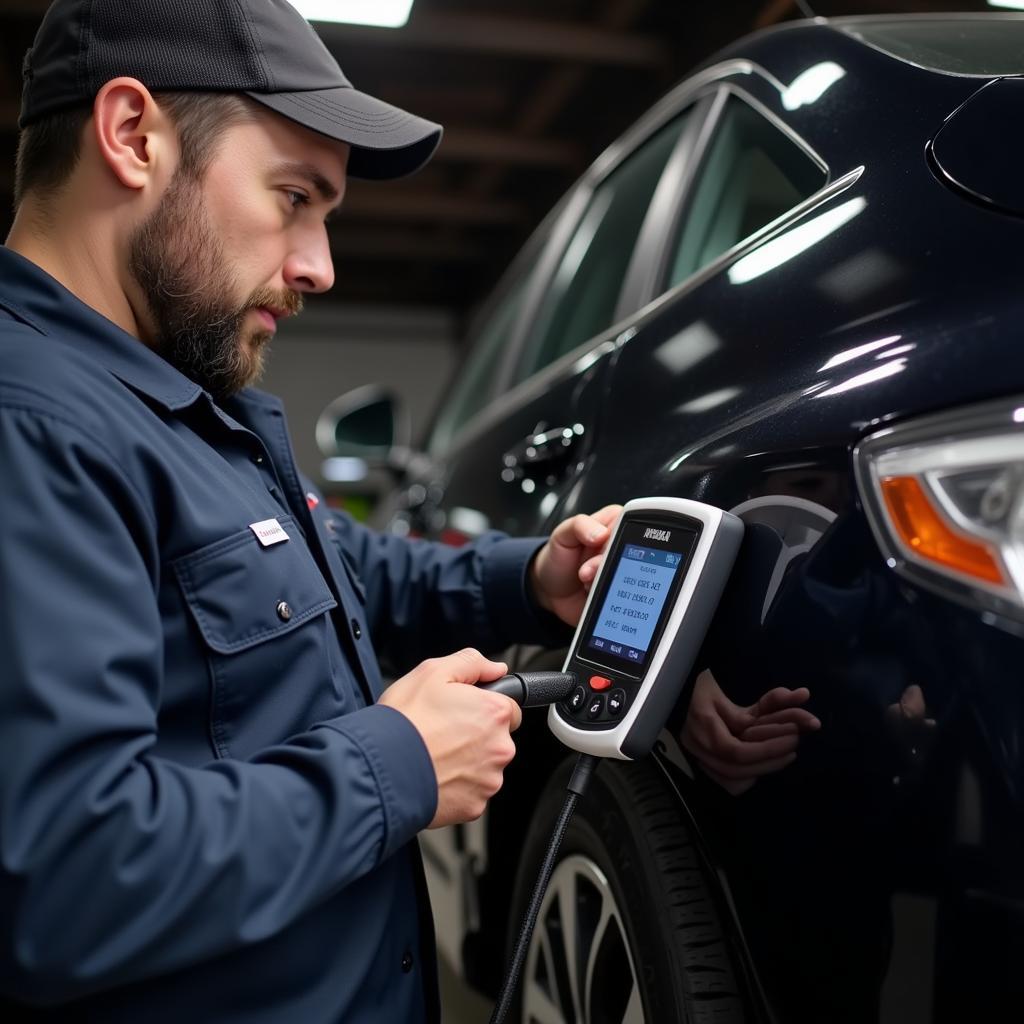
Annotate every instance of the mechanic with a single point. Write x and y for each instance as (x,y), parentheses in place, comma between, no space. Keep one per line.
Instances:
(208,801)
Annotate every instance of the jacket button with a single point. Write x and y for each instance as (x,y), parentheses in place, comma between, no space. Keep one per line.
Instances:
(284,611)
(258,459)
(357,630)
(406,962)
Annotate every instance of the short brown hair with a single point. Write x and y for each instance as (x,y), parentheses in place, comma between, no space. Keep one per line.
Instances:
(48,150)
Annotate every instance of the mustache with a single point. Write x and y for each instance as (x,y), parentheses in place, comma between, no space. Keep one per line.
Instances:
(290,302)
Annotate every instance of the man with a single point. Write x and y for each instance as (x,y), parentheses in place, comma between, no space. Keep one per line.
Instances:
(207,800)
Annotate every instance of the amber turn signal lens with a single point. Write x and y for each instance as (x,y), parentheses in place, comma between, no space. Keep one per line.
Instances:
(922,528)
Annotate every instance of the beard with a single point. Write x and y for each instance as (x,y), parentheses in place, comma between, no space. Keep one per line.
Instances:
(181,268)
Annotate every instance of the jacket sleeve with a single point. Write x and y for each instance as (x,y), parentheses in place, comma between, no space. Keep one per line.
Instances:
(426,599)
(115,864)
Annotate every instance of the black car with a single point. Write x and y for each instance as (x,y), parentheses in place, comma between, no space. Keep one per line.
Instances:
(788,291)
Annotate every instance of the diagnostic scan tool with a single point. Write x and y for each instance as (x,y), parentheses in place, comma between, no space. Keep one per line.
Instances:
(649,607)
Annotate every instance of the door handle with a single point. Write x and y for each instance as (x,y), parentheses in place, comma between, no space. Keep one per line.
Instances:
(542,453)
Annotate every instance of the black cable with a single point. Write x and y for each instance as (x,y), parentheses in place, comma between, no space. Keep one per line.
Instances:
(583,769)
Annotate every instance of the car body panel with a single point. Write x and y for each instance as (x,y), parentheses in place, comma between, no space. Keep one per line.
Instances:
(879,877)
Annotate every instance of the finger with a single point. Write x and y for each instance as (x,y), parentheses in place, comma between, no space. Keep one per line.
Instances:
(588,531)
(608,514)
(912,702)
(588,570)
(769,732)
(517,715)
(780,698)
(799,717)
(468,666)
(724,745)
(736,718)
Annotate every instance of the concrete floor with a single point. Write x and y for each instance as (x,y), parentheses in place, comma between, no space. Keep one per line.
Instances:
(460,1005)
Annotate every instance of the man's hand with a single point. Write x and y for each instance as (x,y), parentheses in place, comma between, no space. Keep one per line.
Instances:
(736,745)
(565,567)
(466,731)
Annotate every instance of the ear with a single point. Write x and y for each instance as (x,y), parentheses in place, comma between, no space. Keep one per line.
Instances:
(133,135)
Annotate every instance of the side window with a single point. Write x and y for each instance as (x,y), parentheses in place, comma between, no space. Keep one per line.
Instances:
(753,173)
(474,385)
(584,292)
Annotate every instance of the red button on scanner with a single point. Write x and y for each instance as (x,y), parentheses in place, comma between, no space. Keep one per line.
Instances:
(599,683)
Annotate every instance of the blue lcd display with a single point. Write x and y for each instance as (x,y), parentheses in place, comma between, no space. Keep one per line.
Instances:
(633,602)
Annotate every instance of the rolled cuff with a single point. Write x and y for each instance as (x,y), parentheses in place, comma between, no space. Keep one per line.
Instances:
(401,767)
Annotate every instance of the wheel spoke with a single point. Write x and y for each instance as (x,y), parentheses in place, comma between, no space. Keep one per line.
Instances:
(537,1006)
(567,910)
(634,1008)
(579,928)
(607,915)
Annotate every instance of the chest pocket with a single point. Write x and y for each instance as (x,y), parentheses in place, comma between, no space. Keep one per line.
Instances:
(269,644)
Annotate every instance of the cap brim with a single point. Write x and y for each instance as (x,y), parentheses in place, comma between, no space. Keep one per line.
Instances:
(386,141)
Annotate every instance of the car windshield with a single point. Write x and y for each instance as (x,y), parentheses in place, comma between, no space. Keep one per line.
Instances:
(983,45)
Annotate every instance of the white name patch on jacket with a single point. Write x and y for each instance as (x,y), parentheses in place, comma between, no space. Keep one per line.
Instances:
(270,531)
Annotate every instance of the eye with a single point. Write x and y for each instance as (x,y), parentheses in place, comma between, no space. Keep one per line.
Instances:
(296,199)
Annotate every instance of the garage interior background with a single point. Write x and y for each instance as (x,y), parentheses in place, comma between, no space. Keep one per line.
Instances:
(529,92)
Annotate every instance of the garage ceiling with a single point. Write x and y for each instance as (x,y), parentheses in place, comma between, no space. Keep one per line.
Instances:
(530,91)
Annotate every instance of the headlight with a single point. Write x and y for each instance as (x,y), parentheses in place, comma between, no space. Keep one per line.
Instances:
(945,498)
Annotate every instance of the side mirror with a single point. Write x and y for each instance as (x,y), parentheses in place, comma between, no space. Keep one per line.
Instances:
(363,429)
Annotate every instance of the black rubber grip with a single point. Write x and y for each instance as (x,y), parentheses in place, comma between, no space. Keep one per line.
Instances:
(534,689)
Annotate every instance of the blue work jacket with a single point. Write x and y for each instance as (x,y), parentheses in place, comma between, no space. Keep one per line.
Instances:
(204,816)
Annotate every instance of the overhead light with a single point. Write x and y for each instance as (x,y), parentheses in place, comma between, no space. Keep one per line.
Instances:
(1016,5)
(383,13)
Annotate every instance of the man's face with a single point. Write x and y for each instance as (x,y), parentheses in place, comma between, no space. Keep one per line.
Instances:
(222,259)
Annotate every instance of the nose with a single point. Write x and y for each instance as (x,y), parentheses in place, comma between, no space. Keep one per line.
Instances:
(308,267)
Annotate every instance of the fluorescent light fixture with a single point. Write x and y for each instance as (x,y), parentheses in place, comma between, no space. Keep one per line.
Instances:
(1016,5)
(384,13)
(795,241)
(810,85)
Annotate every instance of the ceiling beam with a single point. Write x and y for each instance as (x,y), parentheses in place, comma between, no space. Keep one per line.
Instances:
(492,34)
(555,89)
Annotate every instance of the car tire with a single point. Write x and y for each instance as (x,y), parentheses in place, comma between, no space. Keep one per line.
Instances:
(666,959)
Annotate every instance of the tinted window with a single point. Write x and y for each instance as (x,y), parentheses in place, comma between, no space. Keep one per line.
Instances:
(753,173)
(585,290)
(475,383)
(964,46)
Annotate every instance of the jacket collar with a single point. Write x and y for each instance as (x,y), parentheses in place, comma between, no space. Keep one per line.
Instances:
(32,296)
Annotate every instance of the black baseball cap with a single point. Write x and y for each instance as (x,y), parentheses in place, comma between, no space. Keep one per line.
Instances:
(264,49)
